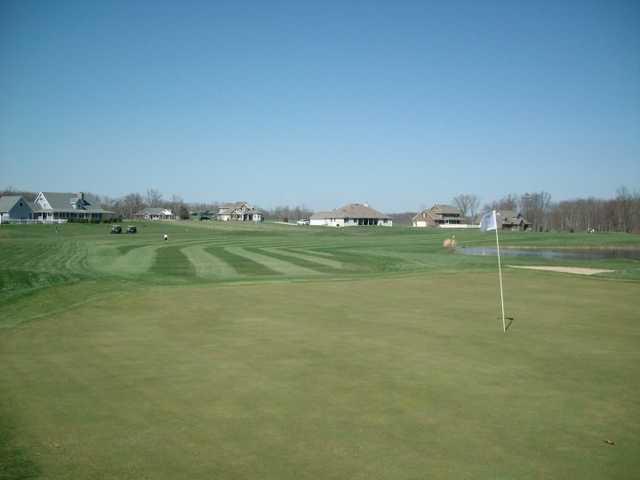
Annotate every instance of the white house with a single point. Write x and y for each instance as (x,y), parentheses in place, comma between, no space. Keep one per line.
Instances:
(155,213)
(67,206)
(14,207)
(239,212)
(354,214)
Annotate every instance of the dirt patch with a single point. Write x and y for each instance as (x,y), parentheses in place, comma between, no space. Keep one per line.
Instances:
(576,270)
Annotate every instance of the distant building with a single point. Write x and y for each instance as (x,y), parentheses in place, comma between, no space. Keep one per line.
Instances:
(67,206)
(437,216)
(509,220)
(239,212)
(155,213)
(354,214)
(15,207)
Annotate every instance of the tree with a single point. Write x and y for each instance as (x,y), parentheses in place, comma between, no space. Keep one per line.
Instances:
(153,198)
(468,204)
(130,205)
(535,208)
(509,202)
(183,212)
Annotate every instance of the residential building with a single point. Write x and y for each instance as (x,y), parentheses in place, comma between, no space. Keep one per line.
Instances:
(239,212)
(510,220)
(354,214)
(155,213)
(437,216)
(15,207)
(67,206)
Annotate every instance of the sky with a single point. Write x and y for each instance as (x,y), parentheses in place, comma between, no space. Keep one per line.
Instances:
(399,104)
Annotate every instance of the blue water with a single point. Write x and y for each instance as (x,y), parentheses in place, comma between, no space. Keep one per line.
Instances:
(585,254)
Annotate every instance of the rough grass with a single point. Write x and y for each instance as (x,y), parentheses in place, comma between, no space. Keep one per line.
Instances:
(359,353)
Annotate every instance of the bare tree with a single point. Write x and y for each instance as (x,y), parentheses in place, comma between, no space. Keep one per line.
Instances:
(535,208)
(153,198)
(130,205)
(290,213)
(174,204)
(468,204)
(509,202)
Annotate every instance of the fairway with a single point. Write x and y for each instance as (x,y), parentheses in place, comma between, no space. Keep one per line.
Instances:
(269,351)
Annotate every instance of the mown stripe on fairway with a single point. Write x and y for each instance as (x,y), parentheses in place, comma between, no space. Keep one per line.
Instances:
(139,260)
(372,261)
(241,264)
(171,261)
(208,265)
(124,249)
(314,256)
(280,266)
(307,261)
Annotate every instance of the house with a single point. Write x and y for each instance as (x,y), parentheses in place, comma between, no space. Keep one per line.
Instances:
(67,206)
(15,207)
(437,216)
(239,212)
(155,213)
(509,220)
(354,214)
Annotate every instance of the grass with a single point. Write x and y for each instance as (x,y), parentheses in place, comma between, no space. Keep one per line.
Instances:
(279,352)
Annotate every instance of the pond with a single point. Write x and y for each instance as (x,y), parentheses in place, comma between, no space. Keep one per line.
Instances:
(575,254)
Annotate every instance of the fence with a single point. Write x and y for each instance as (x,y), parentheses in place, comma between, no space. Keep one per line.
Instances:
(458,225)
(31,221)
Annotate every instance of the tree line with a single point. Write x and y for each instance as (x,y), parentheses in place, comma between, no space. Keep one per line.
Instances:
(619,214)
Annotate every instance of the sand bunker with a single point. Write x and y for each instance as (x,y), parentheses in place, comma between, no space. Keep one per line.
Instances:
(576,270)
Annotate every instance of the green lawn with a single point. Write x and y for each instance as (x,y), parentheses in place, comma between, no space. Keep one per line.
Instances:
(267,351)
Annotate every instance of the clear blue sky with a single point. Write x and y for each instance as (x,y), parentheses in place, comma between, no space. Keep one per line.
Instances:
(400,104)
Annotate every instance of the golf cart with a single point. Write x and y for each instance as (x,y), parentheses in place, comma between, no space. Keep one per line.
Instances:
(116,229)
(132,229)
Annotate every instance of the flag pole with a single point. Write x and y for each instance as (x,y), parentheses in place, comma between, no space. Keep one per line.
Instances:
(495,219)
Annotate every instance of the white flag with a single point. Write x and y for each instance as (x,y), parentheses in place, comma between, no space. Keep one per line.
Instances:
(489,222)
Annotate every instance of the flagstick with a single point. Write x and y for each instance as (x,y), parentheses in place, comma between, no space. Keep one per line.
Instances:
(504,325)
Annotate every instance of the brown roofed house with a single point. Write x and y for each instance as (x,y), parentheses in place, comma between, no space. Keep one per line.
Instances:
(353,214)
(438,215)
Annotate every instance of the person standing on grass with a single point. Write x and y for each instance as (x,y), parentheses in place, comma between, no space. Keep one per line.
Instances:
(166,237)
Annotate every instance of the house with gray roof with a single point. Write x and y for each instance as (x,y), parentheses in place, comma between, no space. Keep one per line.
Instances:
(155,213)
(510,220)
(353,214)
(437,216)
(239,212)
(15,207)
(67,206)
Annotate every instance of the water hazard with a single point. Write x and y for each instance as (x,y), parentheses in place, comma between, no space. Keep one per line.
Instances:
(576,254)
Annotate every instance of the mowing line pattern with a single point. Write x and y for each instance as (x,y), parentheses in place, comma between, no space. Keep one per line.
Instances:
(272,263)
(37,256)
(207,265)
(242,264)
